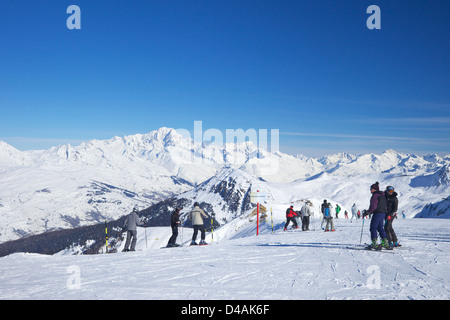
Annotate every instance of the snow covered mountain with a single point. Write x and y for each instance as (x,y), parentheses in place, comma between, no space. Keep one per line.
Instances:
(66,186)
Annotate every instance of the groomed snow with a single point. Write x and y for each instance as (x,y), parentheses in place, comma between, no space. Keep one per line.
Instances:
(240,265)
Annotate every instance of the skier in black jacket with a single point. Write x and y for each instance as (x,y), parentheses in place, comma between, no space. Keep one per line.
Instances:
(391,212)
(378,204)
(174,224)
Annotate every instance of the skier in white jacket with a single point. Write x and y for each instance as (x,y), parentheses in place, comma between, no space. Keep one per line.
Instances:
(131,224)
(306,213)
(196,216)
(354,212)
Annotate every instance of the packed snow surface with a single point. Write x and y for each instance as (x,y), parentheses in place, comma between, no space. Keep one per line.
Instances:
(240,265)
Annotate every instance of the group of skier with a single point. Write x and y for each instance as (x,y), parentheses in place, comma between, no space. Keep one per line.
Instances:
(305,214)
(382,210)
(196,216)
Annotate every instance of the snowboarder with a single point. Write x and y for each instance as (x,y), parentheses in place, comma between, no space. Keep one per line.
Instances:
(196,216)
(355,212)
(306,213)
(174,224)
(130,225)
(378,206)
(290,216)
(392,206)
(327,216)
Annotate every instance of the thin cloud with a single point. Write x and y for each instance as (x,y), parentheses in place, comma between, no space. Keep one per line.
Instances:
(363,137)
(431,121)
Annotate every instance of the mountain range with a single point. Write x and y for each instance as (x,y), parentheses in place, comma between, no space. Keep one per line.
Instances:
(102,180)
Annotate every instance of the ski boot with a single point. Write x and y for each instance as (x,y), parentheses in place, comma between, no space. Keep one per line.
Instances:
(203,243)
(385,244)
(373,245)
(193,243)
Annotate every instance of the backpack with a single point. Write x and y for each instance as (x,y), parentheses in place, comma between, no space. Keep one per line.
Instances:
(382,203)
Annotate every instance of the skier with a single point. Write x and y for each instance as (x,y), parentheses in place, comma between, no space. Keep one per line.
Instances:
(174,224)
(290,216)
(346,214)
(378,206)
(306,213)
(327,215)
(354,212)
(130,224)
(332,211)
(392,206)
(338,209)
(196,216)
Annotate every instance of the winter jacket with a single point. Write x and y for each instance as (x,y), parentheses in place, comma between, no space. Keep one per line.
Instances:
(354,210)
(290,213)
(326,210)
(378,203)
(324,207)
(132,222)
(306,210)
(392,203)
(196,216)
(175,219)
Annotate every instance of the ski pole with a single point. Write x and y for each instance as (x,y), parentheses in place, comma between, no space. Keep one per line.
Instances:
(271,218)
(106,237)
(362,227)
(212,229)
(182,222)
(145,230)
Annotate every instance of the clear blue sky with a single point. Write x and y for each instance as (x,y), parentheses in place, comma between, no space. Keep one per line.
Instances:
(310,68)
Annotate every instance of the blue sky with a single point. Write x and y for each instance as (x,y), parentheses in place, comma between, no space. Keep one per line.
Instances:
(311,69)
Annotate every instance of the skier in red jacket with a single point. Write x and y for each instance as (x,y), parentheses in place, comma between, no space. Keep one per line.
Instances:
(290,216)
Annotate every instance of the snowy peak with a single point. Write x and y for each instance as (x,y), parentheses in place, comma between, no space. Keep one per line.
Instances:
(442,176)
(165,151)
(228,192)
(440,209)
(10,155)
(338,158)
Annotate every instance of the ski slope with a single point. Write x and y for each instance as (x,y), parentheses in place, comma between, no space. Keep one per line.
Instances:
(240,265)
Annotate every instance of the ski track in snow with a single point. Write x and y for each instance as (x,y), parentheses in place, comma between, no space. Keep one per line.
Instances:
(284,265)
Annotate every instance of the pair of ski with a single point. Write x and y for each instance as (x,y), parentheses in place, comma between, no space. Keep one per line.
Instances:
(191,245)
(367,247)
